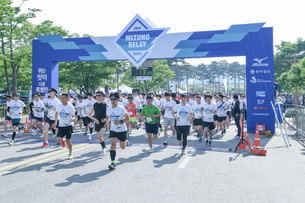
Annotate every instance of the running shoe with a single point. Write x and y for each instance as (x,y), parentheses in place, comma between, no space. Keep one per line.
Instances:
(183,151)
(4,135)
(199,140)
(222,132)
(45,145)
(207,142)
(63,144)
(89,137)
(54,137)
(150,150)
(70,157)
(161,130)
(198,135)
(236,137)
(210,143)
(127,143)
(103,152)
(165,143)
(85,134)
(10,143)
(112,166)
(41,136)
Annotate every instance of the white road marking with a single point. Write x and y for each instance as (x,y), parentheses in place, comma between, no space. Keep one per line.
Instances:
(187,159)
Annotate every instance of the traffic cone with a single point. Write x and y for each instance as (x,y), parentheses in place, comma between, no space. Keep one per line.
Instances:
(27,126)
(259,151)
(257,140)
(245,145)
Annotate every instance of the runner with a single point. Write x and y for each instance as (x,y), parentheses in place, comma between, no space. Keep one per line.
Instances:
(88,103)
(222,106)
(118,117)
(151,113)
(168,119)
(15,110)
(99,108)
(209,110)
(64,118)
(229,111)
(37,121)
(79,106)
(50,119)
(7,117)
(183,116)
(197,118)
(131,108)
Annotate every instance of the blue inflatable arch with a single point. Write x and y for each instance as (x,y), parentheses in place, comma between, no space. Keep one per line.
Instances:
(138,41)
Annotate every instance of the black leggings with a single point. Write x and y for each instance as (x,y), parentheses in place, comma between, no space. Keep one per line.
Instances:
(183,131)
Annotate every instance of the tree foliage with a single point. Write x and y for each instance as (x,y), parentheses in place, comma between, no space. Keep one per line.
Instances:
(162,75)
(86,76)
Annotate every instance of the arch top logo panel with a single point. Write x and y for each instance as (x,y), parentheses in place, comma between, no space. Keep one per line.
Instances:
(139,41)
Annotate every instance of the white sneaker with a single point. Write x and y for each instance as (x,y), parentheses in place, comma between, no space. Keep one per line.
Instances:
(103,152)
(4,135)
(150,150)
(41,136)
(89,137)
(236,137)
(70,157)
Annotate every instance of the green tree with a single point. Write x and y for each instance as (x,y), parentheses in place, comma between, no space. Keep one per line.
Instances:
(288,53)
(162,75)
(201,71)
(15,35)
(294,79)
(86,76)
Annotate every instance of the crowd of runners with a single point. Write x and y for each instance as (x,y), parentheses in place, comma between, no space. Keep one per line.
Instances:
(121,113)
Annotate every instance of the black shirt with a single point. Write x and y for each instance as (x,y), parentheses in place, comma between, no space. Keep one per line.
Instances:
(31,106)
(99,110)
(236,108)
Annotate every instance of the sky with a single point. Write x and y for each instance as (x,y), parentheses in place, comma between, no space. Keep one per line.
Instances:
(109,17)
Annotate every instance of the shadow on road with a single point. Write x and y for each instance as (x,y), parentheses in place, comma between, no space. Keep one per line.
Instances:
(83,178)
(169,160)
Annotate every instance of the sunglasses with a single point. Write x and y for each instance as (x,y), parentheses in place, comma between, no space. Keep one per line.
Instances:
(112,99)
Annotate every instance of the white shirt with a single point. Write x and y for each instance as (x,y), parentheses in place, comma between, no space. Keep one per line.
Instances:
(79,105)
(52,103)
(230,104)
(143,102)
(183,113)
(156,102)
(208,115)
(221,106)
(87,105)
(168,108)
(16,109)
(8,104)
(37,107)
(242,102)
(65,113)
(116,114)
(190,103)
(197,109)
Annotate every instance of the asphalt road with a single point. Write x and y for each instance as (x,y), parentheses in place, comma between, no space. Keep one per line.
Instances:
(29,173)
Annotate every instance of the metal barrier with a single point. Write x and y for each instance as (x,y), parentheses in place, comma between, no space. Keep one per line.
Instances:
(294,115)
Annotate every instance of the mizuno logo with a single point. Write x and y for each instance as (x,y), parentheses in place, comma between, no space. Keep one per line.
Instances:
(260,60)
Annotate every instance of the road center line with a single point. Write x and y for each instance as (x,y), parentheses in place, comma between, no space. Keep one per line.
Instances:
(44,160)
(39,157)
